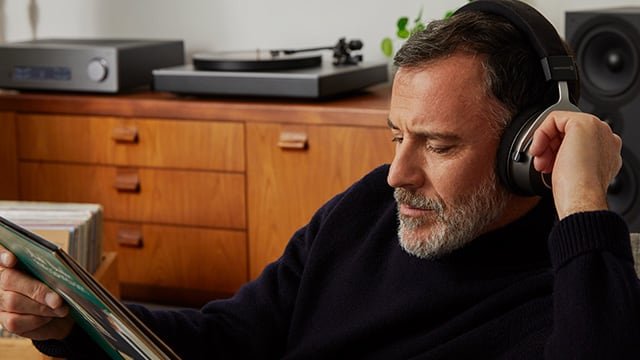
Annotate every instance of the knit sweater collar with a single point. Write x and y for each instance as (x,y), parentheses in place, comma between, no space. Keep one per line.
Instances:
(520,244)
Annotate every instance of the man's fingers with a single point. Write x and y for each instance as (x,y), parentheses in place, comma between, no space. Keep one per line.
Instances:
(55,329)
(27,306)
(7,259)
(539,143)
(544,138)
(544,162)
(544,148)
(12,280)
(17,303)
(20,324)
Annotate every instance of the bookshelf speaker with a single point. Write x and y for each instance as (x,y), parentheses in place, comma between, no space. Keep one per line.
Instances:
(607,47)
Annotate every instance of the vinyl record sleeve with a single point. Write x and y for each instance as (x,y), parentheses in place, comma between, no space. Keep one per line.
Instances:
(107,321)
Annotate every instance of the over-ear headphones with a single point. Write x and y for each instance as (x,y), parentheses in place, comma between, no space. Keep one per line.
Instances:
(514,165)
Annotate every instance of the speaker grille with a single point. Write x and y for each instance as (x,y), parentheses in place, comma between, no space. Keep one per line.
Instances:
(607,47)
(608,58)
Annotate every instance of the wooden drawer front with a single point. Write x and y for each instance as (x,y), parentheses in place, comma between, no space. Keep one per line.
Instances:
(134,142)
(8,164)
(165,196)
(288,182)
(180,257)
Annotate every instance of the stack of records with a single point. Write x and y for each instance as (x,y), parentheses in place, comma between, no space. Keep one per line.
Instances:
(75,228)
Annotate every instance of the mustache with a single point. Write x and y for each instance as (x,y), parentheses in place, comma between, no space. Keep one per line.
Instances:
(409,198)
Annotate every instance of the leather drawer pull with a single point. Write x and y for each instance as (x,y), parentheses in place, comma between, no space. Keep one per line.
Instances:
(127,180)
(125,134)
(293,140)
(130,237)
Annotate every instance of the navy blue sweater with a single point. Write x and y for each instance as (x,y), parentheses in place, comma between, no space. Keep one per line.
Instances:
(344,288)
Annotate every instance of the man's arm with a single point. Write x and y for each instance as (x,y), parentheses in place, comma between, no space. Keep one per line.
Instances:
(596,299)
(596,296)
(252,324)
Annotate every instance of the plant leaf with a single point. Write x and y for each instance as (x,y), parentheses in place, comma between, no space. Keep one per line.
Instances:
(448,14)
(387,47)
(403,34)
(402,23)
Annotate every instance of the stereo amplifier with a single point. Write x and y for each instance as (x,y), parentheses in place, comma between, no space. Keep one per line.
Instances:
(85,65)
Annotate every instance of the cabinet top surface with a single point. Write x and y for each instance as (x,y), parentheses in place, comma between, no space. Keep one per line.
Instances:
(366,108)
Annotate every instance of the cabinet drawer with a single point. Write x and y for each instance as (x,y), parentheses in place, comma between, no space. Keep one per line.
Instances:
(196,198)
(330,159)
(132,142)
(9,178)
(179,257)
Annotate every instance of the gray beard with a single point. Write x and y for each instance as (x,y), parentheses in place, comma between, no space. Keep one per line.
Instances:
(452,226)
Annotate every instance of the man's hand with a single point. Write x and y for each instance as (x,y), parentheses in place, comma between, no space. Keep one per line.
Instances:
(28,307)
(583,155)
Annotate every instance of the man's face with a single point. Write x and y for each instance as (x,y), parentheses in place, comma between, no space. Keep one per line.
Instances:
(443,169)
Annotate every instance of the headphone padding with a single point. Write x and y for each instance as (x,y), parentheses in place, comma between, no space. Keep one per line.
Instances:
(503,159)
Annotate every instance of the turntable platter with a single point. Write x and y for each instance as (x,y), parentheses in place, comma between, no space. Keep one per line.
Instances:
(259,60)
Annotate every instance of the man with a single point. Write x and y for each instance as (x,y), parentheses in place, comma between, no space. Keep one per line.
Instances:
(440,263)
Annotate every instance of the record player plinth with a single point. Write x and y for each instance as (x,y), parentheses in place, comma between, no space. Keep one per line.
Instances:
(319,82)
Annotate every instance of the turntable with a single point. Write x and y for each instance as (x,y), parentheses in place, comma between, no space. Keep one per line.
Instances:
(273,73)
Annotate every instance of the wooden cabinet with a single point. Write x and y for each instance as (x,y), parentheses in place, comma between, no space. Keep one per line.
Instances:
(198,194)
(186,177)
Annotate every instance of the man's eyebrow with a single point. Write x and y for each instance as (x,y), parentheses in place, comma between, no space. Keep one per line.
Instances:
(429,135)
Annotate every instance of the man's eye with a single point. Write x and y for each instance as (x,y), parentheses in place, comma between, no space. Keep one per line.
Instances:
(439,149)
(397,139)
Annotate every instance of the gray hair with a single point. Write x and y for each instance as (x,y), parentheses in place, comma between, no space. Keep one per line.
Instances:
(513,75)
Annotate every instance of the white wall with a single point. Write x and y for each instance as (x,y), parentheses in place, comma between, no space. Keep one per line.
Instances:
(210,25)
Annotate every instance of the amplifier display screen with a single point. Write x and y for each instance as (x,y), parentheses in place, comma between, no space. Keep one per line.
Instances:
(40,73)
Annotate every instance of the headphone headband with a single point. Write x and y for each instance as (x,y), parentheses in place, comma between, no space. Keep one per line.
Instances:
(557,64)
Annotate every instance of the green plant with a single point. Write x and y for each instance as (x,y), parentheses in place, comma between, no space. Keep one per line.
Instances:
(403,32)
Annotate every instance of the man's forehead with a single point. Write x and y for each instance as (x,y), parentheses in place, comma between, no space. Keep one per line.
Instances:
(462,74)
(443,97)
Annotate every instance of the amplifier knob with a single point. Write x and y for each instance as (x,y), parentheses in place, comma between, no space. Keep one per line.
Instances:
(98,70)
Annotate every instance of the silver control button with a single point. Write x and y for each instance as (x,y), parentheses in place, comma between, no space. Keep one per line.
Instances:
(98,70)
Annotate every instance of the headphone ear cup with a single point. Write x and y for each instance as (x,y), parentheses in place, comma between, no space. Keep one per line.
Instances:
(507,142)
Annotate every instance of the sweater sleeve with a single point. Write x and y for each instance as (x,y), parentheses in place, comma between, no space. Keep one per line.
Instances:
(596,298)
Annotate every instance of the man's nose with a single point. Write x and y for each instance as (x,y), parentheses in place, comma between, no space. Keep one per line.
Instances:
(407,168)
